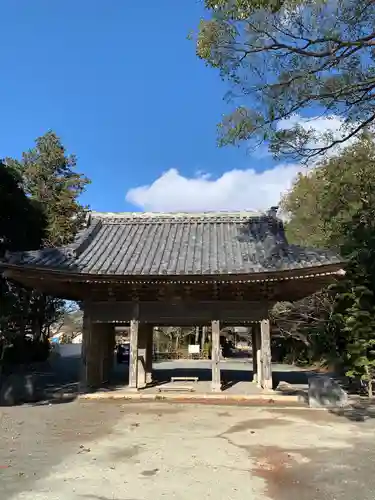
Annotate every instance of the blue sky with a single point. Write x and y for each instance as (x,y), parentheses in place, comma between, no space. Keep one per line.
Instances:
(121,85)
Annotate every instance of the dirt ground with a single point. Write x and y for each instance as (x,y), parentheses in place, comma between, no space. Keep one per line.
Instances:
(150,451)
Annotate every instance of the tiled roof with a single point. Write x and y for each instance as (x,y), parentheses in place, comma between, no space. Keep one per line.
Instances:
(149,244)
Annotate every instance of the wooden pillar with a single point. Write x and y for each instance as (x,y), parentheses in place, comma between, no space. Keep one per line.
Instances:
(142,355)
(266,381)
(215,357)
(84,348)
(133,357)
(258,355)
(94,354)
(149,353)
(111,346)
(108,350)
(254,344)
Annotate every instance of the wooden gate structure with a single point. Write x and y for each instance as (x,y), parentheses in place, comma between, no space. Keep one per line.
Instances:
(154,269)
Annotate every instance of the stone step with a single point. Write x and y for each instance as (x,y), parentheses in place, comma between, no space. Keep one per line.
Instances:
(176,388)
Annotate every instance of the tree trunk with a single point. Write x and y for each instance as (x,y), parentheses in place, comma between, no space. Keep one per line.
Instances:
(369,382)
(204,333)
(196,334)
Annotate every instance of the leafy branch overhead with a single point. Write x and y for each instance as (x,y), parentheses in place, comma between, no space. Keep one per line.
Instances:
(284,59)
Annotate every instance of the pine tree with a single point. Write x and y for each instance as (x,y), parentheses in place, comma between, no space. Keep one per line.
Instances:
(22,227)
(49,180)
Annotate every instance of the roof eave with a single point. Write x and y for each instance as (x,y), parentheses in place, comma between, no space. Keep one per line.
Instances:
(336,268)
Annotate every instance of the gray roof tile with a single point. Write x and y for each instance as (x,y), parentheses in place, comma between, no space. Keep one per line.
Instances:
(139,244)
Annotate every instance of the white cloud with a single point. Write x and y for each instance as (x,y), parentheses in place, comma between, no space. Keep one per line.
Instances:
(234,190)
(321,124)
(325,128)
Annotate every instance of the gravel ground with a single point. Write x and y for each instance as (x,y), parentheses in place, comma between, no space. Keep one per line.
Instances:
(151,451)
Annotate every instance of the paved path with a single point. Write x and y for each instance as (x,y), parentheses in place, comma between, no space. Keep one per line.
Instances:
(66,369)
(113,451)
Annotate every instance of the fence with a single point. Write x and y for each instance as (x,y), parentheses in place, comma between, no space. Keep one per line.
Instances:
(179,354)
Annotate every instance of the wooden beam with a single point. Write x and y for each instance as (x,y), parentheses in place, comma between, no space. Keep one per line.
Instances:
(266,381)
(179,312)
(215,356)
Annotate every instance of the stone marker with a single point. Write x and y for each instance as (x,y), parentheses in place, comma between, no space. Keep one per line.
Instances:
(325,392)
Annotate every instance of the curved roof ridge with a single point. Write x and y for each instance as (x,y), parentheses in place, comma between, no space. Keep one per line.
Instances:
(84,238)
(230,214)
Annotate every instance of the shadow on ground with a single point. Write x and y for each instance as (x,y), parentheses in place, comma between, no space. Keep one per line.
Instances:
(358,411)
(56,382)
(51,382)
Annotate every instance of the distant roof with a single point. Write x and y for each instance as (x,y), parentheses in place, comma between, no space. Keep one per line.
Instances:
(162,244)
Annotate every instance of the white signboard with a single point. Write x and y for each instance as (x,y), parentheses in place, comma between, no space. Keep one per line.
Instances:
(193,348)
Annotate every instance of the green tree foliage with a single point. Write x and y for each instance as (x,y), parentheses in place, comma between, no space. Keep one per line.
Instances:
(324,199)
(354,311)
(22,221)
(334,205)
(47,178)
(284,57)
(22,227)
